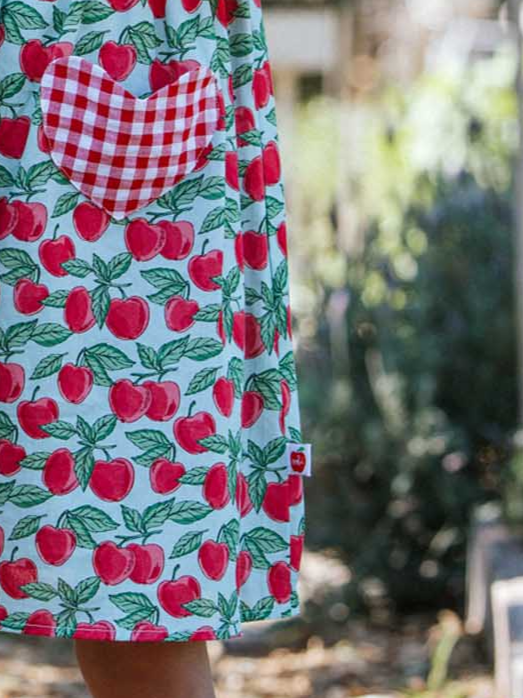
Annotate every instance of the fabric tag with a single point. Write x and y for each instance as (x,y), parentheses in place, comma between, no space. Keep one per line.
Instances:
(299,458)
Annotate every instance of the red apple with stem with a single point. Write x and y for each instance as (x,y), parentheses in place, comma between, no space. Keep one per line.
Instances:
(16,573)
(12,381)
(10,456)
(112,480)
(129,401)
(58,474)
(213,559)
(33,414)
(111,563)
(165,399)
(216,486)
(75,382)
(188,431)
(165,475)
(173,594)
(90,221)
(223,395)
(149,562)
(55,545)
(279,582)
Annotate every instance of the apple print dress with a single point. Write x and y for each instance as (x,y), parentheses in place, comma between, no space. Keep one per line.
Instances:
(151,458)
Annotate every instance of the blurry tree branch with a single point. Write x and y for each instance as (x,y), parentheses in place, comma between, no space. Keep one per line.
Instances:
(514,10)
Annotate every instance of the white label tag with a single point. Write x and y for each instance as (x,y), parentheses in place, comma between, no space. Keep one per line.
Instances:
(299,458)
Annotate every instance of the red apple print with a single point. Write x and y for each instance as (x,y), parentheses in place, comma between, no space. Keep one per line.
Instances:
(2,34)
(112,480)
(8,217)
(286,403)
(230,85)
(271,163)
(165,475)
(203,634)
(203,157)
(10,456)
(281,237)
(253,179)
(179,239)
(12,381)
(149,561)
(243,568)
(189,430)
(122,5)
(35,57)
(55,545)
(78,310)
(243,500)
(225,11)
(173,594)
(252,407)
(296,551)
(215,486)
(191,5)
(231,169)
(253,342)
(244,121)
(13,136)
(255,249)
(295,489)
(28,296)
(127,318)
(3,613)
(42,140)
(213,559)
(75,382)
(179,313)
(33,414)
(58,474)
(111,563)
(238,328)
(90,222)
(268,72)
(202,268)
(101,630)
(279,582)
(165,400)
(118,60)
(238,250)
(158,8)
(143,239)
(260,88)
(161,74)
(41,622)
(145,631)
(223,395)
(276,501)
(31,221)
(220,330)
(15,573)
(128,401)
(53,253)
(2,545)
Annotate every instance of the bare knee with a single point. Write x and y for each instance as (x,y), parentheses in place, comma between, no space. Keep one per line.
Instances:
(145,669)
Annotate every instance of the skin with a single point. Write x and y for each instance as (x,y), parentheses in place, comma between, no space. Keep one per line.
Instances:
(145,669)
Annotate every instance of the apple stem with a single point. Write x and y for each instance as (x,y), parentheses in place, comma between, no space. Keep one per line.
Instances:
(193,403)
(59,520)
(175,570)
(263,226)
(13,553)
(205,243)
(37,388)
(55,231)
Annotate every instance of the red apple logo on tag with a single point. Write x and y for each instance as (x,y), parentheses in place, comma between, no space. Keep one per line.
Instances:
(298,460)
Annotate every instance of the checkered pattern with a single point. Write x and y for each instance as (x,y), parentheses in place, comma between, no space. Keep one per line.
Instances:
(123,152)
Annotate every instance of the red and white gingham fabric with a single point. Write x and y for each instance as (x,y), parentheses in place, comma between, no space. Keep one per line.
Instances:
(121,151)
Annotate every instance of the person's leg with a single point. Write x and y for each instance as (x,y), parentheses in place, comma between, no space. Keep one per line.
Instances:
(145,669)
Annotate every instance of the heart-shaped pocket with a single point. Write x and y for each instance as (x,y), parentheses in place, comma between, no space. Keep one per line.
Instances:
(121,151)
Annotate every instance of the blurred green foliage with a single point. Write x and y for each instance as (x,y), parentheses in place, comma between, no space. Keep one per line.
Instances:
(415,424)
